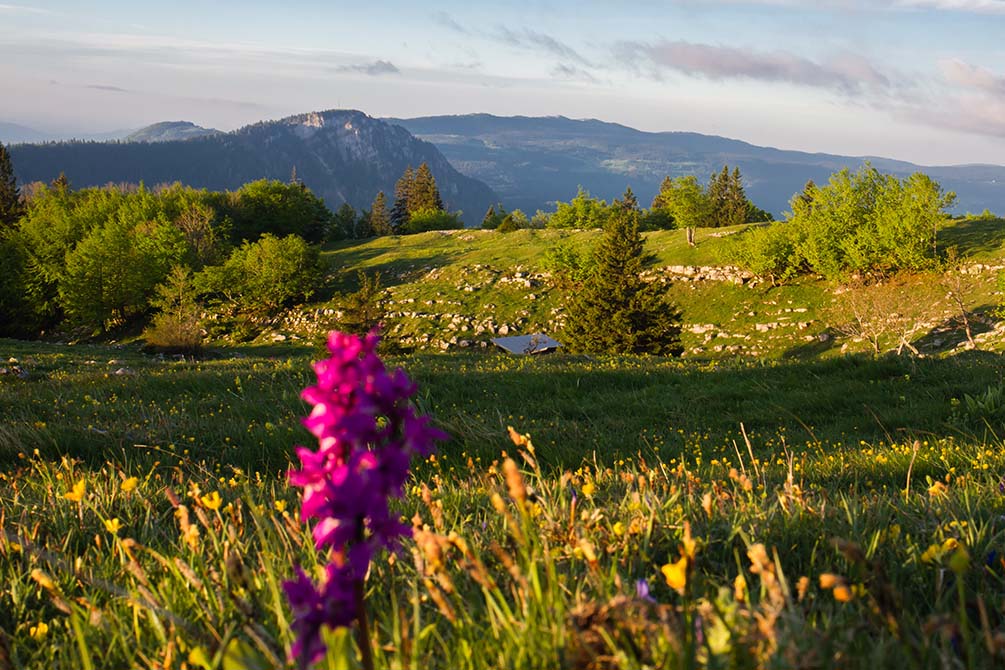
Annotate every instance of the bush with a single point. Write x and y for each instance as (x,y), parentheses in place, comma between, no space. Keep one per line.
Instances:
(566,262)
(424,220)
(860,222)
(260,278)
(278,208)
(175,328)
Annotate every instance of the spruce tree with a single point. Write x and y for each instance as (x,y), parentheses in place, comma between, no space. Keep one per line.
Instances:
(617,311)
(736,200)
(628,201)
(425,195)
(665,195)
(719,198)
(380,220)
(10,196)
(403,191)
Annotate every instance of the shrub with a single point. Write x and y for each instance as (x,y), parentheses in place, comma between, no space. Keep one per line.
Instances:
(175,327)
(566,262)
(262,277)
(424,220)
(278,208)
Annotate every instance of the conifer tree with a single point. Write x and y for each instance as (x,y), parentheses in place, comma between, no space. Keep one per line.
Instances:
(662,199)
(10,196)
(617,311)
(403,199)
(736,200)
(718,194)
(380,220)
(424,195)
(61,183)
(628,201)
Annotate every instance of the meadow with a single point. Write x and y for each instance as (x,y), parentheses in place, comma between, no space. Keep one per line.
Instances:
(823,513)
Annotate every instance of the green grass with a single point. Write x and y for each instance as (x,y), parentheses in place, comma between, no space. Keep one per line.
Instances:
(883,472)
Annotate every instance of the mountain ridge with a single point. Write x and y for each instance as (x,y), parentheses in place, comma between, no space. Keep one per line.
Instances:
(342,155)
(532,161)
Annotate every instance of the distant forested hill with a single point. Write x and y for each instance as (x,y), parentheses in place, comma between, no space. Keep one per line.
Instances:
(342,155)
(532,161)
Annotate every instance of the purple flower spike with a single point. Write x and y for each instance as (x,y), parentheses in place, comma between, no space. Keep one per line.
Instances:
(367,432)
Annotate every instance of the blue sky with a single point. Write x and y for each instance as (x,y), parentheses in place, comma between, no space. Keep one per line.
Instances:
(922,80)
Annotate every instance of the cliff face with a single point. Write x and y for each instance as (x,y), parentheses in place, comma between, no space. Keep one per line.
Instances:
(341,155)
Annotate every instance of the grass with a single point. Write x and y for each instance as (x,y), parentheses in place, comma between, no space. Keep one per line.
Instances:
(877,472)
(805,506)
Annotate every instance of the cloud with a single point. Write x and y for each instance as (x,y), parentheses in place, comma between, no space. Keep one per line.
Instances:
(965,75)
(566,71)
(374,69)
(448,22)
(848,73)
(21,9)
(538,41)
(961,6)
(111,89)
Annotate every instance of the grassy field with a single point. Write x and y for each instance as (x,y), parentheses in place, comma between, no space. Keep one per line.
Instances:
(779,498)
(855,521)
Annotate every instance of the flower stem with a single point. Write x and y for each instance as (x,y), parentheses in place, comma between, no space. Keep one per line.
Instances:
(363,629)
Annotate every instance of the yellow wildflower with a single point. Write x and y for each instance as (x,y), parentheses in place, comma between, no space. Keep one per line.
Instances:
(937,489)
(211,501)
(113,526)
(280,506)
(38,632)
(191,536)
(676,574)
(829,580)
(130,484)
(843,594)
(77,494)
(589,488)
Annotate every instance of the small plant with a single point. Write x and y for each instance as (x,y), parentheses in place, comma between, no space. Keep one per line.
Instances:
(175,328)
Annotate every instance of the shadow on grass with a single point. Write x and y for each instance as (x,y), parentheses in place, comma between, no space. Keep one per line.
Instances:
(974,236)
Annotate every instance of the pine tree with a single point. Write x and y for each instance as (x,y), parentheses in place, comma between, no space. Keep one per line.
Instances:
(628,201)
(425,195)
(736,200)
(719,198)
(617,311)
(403,191)
(490,221)
(11,207)
(380,220)
(61,183)
(662,199)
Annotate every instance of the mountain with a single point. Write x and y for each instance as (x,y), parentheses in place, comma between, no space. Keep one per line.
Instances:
(532,161)
(170,131)
(12,133)
(342,155)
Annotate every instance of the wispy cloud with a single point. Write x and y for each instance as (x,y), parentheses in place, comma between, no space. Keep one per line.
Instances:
(974,102)
(538,41)
(962,6)
(847,73)
(449,23)
(21,9)
(374,69)
(110,89)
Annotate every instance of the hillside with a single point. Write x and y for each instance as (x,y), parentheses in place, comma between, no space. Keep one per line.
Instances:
(170,131)
(342,155)
(531,161)
(458,289)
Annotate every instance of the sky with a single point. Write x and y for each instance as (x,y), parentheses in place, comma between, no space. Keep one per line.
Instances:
(918,80)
